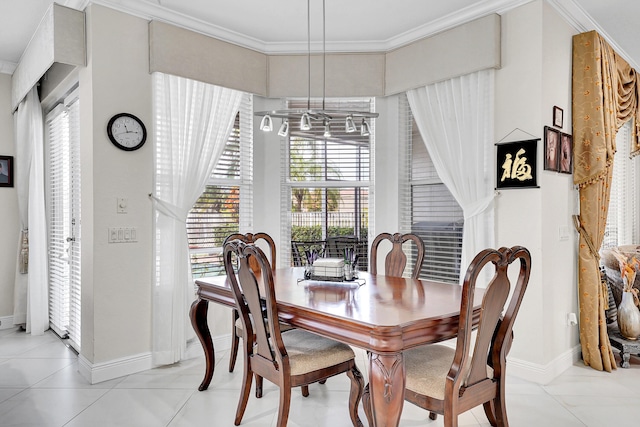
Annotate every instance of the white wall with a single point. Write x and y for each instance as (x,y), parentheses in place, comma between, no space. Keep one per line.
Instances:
(9,221)
(116,278)
(535,76)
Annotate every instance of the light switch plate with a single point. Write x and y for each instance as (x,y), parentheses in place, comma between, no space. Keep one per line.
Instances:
(122,205)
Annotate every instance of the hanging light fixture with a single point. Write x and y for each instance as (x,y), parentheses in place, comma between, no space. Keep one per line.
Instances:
(365,130)
(284,128)
(323,117)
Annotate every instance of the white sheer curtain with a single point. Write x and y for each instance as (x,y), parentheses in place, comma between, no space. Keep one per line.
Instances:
(193,122)
(31,300)
(455,119)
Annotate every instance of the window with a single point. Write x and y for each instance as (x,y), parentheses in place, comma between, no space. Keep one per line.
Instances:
(63,215)
(427,207)
(326,182)
(622,224)
(225,206)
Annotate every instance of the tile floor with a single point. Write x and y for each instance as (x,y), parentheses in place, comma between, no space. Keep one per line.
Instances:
(40,386)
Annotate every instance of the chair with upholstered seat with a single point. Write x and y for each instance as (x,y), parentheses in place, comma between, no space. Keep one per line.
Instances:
(450,381)
(236,333)
(295,358)
(396,260)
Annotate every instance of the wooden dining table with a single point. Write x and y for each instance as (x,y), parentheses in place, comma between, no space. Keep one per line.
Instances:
(383,315)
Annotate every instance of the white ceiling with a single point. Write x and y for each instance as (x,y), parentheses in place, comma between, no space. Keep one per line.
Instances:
(353,25)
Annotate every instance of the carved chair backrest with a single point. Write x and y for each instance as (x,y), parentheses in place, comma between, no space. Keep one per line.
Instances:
(494,331)
(255,239)
(396,260)
(254,301)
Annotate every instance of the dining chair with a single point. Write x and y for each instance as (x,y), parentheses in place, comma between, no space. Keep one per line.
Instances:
(236,333)
(396,260)
(292,359)
(450,381)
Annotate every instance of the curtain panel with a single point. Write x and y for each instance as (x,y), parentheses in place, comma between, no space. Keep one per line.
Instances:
(605,96)
(31,296)
(193,122)
(455,119)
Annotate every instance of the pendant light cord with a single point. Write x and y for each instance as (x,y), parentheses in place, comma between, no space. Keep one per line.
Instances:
(324,54)
(308,54)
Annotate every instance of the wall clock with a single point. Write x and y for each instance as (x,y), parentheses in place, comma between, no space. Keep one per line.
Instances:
(126,131)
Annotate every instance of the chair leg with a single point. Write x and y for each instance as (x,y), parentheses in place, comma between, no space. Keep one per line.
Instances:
(366,404)
(500,407)
(244,393)
(235,340)
(357,387)
(490,411)
(258,386)
(433,416)
(285,403)
(305,390)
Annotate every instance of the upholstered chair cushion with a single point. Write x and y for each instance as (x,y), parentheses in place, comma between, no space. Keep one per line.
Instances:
(309,352)
(426,368)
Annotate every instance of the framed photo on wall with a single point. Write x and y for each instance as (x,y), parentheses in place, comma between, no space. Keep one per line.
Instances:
(558,114)
(6,171)
(566,153)
(551,148)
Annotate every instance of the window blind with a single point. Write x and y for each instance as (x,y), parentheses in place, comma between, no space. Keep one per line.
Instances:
(226,204)
(622,224)
(63,216)
(428,208)
(326,180)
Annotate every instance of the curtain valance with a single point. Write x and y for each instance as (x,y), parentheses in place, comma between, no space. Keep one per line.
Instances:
(605,96)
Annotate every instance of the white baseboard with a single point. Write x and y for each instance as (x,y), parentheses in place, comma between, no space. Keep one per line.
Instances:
(220,343)
(6,322)
(543,374)
(99,372)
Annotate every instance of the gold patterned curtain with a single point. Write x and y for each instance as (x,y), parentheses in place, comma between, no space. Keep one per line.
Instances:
(605,96)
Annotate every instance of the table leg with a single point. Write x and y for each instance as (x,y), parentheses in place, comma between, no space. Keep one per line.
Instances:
(384,395)
(198,315)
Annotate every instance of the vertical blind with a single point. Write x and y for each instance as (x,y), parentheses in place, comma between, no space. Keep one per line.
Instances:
(226,204)
(63,215)
(428,208)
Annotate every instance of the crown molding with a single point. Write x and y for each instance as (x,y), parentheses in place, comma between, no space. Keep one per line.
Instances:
(576,16)
(7,67)
(150,11)
(452,20)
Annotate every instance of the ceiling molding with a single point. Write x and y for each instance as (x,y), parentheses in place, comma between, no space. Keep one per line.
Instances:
(453,20)
(576,16)
(7,67)
(150,11)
